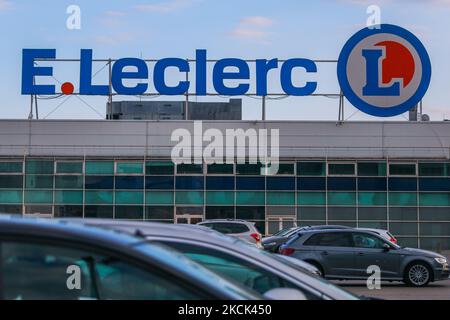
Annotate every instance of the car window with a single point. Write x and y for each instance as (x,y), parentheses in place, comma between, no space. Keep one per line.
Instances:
(227,228)
(234,268)
(33,271)
(364,240)
(330,239)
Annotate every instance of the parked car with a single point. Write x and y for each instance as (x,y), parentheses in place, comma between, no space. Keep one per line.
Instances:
(346,254)
(242,229)
(273,243)
(38,258)
(384,233)
(231,257)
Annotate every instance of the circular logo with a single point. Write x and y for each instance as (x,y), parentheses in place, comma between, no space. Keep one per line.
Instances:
(384,71)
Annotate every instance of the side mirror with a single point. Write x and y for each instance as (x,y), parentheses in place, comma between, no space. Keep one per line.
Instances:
(386,247)
(284,294)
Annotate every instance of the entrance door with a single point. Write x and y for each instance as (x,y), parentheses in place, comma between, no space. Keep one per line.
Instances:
(188,219)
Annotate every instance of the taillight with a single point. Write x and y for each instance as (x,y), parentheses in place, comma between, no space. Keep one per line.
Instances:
(256,236)
(287,251)
(393,240)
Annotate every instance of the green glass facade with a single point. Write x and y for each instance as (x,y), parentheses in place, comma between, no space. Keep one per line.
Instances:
(410,198)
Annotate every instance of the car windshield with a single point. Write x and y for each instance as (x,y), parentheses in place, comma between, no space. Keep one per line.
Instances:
(284,232)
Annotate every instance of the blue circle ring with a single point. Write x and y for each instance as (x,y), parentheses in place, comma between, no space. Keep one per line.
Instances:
(372,109)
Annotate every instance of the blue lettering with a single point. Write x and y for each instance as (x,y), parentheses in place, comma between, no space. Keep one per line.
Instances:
(159,76)
(372,87)
(29,71)
(219,75)
(86,86)
(286,77)
(118,75)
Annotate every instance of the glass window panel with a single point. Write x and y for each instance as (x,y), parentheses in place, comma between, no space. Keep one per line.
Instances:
(373,224)
(220,168)
(39,167)
(371,169)
(189,182)
(250,183)
(10,196)
(341,213)
(280,198)
(159,167)
(280,183)
(159,197)
(101,212)
(38,182)
(11,209)
(282,169)
(410,242)
(303,223)
(248,168)
(341,168)
(39,209)
(402,199)
(68,212)
(129,167)
(280,211)
(69,197)
(11,167)
(433,169)
(318,184)
(129,197)
(311,168)
(129,182)
(219,183)
(219,212)
(189,197)
(69,167)
(159,212)
(250,198)
(372,198)
(342,198)
(189,168)
(347,184)
(402,169)
(159,182)
(374,213)
(434,214)
(41,196)
(11,182)
(130,212)
(403,214)
(434,199)
(402,184)
(311,213)
(98,197)
(219,198)
(438,244)
(99,182)
(249,213)
(99,167)
(434,184)
(372,184)
(311,198)
(69,182)
(403,228)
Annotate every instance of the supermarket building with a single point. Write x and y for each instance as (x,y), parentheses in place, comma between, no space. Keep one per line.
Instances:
(390,175)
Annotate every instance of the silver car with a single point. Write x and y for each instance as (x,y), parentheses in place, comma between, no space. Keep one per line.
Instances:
(347,254)
(231,258)
(242,229)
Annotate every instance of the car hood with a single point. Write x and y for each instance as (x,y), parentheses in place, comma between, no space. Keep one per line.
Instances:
(421,252)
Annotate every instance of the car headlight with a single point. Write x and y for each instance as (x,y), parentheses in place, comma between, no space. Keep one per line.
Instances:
(441,260)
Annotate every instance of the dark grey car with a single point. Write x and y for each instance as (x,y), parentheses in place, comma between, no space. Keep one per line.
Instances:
(346,254)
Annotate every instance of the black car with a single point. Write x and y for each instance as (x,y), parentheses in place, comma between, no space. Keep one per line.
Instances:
(273,242)
(50,260)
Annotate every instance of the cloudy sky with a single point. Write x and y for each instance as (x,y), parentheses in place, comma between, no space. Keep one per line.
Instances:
(226,28)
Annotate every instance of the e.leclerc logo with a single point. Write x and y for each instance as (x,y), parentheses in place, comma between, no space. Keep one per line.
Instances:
(384,71)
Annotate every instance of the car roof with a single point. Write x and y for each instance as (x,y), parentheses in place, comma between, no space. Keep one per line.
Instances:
(225,220)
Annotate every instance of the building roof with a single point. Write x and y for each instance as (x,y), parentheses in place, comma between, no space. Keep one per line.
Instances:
(298,139)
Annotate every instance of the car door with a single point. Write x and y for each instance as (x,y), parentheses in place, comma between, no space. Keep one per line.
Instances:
(335,253)
(371,250)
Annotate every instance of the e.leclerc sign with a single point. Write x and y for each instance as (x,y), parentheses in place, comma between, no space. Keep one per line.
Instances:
(383,71)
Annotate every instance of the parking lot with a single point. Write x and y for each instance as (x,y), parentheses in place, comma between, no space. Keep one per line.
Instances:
(399,291)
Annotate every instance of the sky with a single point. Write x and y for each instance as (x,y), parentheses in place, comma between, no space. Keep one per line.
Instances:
(247,29)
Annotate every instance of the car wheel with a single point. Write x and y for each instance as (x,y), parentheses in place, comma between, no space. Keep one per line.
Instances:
(417,274)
